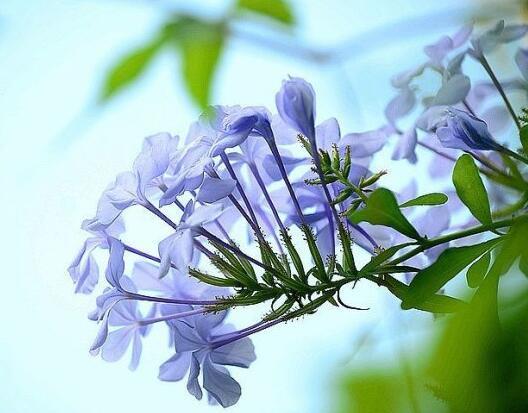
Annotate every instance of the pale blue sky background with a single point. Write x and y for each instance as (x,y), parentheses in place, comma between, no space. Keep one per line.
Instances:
(54,54)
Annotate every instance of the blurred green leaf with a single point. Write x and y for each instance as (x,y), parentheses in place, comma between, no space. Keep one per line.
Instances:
(362,391)
(470,188)
(129,68)
(523,134)
(523,264)
(278,10)
(478,270)
(434,198)
(200,44)
(382,209)
(480,365)
(449,263)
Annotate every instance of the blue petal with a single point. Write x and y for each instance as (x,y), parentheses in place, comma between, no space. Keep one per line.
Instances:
(364,144)
(137,347)
(296,105)
(176,249)
(154,158)
(187,337)
(453,91)
(405,148)
(175,368)
(116,263)
(400,105)
(117,343)
(521,58)
(240,353)
(215,189)
(192,382)
(220,384)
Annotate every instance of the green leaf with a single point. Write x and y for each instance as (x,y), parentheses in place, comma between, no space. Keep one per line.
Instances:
(523,263)
(436,303)
(128,70)
(212,280)
(523,134)
(471,189)
(449,263)
(278,10)
(434,198)
(382,209)
(514,246)
(478,270)
(383,256)
(200,44)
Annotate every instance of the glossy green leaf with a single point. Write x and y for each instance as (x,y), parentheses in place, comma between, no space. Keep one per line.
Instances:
(449,263)
(382,209)
(383,256)
(470,188)
(278,10)
(435,303)
(478,270)
(434,198)
(128,69)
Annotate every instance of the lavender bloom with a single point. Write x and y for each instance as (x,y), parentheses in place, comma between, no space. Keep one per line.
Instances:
(400,105)
(296,105)
(195,341)
(500,34)
(443,46)
(465,131)
(112,295)
(366,144)
(130,187)
(454,90)
(189,169)
(223,127)
(127,317)
(521,58)
(252,119)
(405,148)
(178,248)
(84,270)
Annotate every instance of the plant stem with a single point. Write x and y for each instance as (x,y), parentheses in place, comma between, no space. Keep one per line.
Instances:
(484,62)
(433,242)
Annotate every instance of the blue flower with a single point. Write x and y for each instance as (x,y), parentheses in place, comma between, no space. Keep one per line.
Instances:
(178,248)
(130,188)
(219,128)
(442,47)
(296,105)
(126,316)
(84,270)
(196,342)
(465,131)
(240,123)
(521,58)
(500,34)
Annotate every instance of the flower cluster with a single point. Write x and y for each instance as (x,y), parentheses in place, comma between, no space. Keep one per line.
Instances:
(233,170)
(273,208)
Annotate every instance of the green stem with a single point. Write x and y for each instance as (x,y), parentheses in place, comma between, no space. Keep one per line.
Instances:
(511,209)
(433,242)
(484,62)
(515,155)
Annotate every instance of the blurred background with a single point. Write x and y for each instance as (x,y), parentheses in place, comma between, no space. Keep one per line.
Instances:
(84,81)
